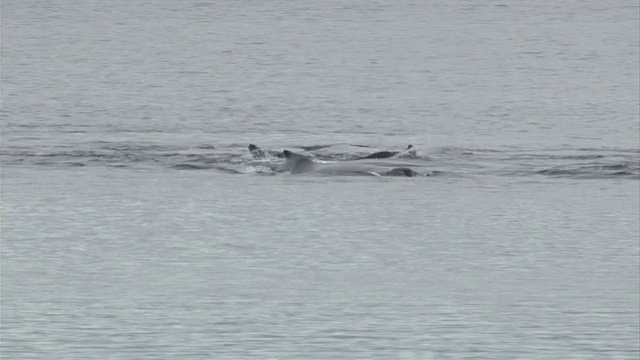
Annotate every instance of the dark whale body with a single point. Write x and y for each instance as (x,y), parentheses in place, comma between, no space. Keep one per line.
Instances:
(298,163)
(383,154)
(259,153)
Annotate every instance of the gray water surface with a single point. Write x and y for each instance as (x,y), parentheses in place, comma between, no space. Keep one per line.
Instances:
(135,223)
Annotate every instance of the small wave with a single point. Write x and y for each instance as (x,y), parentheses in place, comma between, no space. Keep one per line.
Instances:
(188,167)
(592,171)
(206,147)
(615,167)
(554,157)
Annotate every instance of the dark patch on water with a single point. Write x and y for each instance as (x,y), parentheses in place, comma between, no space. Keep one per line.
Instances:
(188,167)
(591,171)
(615,167)
(206,147)
(315,147)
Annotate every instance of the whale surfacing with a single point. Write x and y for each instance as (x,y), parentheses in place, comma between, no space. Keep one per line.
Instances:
(298,163)
(259,153)
(384,154)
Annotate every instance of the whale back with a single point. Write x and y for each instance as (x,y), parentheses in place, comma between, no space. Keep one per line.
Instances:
(401,171)
(389,154)
(256,152)
(298,163)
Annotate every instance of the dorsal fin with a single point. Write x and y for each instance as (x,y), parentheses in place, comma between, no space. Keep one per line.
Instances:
(297,163)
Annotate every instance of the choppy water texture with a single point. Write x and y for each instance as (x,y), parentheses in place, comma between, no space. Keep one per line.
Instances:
(136,224)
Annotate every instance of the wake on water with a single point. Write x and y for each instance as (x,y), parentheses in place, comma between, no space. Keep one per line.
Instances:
(342,159)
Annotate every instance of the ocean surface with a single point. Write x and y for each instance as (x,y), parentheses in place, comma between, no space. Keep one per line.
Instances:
(136,224)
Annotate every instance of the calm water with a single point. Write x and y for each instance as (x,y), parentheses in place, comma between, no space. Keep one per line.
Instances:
(135,223)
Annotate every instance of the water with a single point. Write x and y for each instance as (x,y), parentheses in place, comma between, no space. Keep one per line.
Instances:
(135,223)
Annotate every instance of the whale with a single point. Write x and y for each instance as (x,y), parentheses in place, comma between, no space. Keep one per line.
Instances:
(259,153)
(299,164)
(385,154)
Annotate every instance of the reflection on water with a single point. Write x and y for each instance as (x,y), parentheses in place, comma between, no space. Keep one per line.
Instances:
(159,263)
